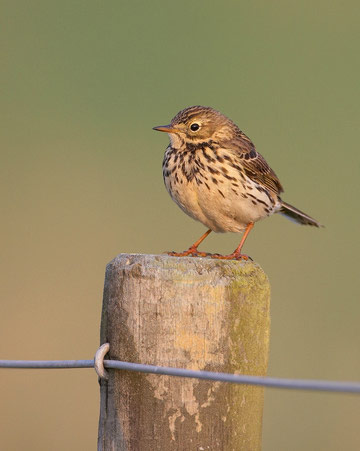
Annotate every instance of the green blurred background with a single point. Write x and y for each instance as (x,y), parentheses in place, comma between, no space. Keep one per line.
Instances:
(82,84)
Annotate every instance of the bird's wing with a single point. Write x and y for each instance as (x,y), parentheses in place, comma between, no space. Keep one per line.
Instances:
(259,171)
(255,165)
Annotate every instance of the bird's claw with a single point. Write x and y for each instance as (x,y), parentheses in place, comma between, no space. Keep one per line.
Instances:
(233,256)
(192,252)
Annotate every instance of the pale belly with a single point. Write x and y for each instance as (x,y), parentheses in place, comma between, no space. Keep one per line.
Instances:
(220,207)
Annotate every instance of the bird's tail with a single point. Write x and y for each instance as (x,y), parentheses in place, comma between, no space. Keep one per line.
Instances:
(297,216)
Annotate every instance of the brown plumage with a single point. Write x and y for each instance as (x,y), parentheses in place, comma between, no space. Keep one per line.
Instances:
(213,172)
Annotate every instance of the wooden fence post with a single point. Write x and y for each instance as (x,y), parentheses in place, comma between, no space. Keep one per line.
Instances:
(193,313)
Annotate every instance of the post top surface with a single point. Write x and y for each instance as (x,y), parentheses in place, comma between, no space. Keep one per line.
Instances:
(188,265)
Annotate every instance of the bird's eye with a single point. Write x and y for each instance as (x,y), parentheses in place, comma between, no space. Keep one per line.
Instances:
(194,127)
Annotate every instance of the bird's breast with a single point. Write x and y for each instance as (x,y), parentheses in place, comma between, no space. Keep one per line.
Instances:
(210,186)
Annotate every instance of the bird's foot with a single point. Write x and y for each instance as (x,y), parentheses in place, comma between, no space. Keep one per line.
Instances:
(233,256)
(191,252)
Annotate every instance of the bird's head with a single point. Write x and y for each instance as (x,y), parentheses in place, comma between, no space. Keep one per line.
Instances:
(198,124)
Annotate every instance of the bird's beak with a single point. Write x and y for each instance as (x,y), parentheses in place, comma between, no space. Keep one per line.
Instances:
(166,128)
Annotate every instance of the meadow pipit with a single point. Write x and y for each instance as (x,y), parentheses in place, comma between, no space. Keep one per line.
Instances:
(213,172)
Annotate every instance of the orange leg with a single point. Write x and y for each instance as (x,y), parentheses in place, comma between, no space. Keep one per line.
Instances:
(192,251)
(237,255)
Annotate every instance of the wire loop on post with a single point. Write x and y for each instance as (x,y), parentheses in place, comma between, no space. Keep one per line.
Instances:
(99,361)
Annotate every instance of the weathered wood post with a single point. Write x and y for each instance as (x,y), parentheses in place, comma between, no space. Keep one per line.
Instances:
(193,313)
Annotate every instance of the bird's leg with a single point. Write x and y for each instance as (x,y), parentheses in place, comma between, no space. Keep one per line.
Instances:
(192,251)
(237,255)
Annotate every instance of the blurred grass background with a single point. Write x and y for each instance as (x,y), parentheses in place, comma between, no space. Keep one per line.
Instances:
(82,83)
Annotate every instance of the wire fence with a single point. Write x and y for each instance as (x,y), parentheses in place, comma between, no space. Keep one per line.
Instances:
(281,383)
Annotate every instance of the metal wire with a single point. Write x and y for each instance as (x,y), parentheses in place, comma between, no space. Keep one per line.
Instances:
(46,364)
(295,384)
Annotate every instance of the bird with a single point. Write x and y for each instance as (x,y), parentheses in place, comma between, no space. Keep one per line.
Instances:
(214,173)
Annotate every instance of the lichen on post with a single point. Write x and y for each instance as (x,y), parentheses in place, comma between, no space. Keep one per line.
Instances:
(194,313)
